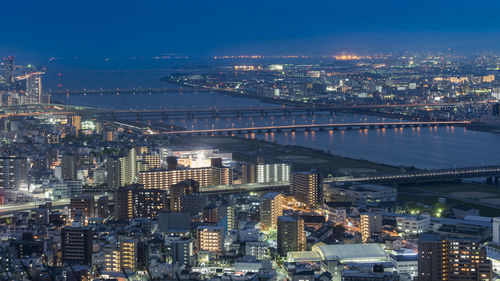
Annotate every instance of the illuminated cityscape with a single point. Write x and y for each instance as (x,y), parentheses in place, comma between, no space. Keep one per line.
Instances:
(268,141)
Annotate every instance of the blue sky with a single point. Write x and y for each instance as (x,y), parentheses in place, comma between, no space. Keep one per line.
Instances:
(215,27)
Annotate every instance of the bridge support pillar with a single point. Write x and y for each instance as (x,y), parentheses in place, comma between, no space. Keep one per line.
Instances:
(496,180)
(489,180)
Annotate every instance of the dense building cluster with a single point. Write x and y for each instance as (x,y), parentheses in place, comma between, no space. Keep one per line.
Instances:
(86,198)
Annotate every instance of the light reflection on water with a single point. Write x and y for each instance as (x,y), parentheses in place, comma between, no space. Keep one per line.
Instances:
(433,147)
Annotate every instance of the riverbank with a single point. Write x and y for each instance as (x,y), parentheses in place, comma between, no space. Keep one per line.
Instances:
(302,158)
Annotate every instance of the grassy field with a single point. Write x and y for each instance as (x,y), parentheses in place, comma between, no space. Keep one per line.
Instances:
(300,157)
(453,187)
(416,193)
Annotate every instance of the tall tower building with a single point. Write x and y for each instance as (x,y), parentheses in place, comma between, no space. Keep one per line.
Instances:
(8,70)
(34,88)
(113,172)
(291,235)
(441,258)
(271,207)
(128,171)
(307,188)
(68,167)
(370,224)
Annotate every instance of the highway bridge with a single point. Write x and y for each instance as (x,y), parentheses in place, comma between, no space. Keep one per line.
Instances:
(311,127)
(259,111)
(424,175)
(166,113)
(119,91)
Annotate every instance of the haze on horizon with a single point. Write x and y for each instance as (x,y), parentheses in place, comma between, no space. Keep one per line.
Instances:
(42,29)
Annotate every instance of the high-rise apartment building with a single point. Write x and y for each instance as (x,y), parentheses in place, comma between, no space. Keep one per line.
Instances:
(8,70)
(291,235)
(122,170)
(128,170)
(210,238)
(182,251)
(442,258)
(134,202)
(276,172)
(113,173)
(68,167)
(271,207)
(76,245)
(34,88)
(209,176)
(307,188)
(370,223)
(186,187)
(13,172)
(272,172)
(120,256)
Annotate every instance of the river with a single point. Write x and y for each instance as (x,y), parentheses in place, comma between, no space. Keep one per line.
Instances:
(425,148)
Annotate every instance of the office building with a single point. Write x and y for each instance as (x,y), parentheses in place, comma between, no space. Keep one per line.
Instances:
(204,176)
(134,202)
(210,238)
(413,225)
(307,188)
(76,245)
(291,235)
(442,258)
(13,172)
(370,224)
(271,207)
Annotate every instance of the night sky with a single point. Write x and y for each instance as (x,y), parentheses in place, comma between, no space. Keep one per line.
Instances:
(89,28)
